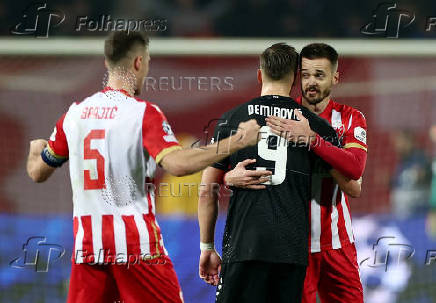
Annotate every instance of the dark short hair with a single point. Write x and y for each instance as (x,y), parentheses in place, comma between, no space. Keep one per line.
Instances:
(319,51)
(279,60)
(118,44)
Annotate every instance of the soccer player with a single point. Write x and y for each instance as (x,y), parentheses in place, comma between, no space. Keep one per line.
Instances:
(266,236)
(113,142)
(333,270)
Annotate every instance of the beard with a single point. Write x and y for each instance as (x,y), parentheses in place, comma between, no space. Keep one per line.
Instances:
(320,95)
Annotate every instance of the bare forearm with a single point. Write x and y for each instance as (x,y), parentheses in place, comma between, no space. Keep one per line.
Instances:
(191,160)
(36,168)
(207,216)
(347,185)
(211,180)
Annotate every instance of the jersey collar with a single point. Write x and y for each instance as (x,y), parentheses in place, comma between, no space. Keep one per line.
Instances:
(108,88)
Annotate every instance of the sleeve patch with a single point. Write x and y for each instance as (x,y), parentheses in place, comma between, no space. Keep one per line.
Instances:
(360,134)
(169,137)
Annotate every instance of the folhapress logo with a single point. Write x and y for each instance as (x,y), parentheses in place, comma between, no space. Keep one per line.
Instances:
(37,20)
(38,254)
(388,21)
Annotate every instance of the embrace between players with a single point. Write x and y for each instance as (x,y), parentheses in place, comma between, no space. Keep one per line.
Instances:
(288,233)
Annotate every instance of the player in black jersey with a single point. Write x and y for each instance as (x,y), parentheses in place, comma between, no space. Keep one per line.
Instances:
(265,244)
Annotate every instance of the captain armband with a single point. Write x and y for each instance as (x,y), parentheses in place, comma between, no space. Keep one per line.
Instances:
(49,157)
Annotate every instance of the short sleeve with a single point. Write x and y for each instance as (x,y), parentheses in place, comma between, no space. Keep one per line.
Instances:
(56,152)
(222,131)
(355,136)
(157,137)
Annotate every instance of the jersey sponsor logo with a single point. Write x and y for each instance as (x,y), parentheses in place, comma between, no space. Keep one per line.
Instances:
(169,137)
(360,134)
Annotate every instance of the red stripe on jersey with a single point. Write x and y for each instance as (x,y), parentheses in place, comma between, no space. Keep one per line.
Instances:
(132,236)
(87,244)
(75,229)
(108,237)
(327,188)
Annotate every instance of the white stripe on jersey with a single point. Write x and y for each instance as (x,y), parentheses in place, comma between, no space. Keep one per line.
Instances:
(349,123)
(120,238)
(336,242)
(315,216)
(336,119)
(78,245)
(97,241)
(347,218)
(143,235)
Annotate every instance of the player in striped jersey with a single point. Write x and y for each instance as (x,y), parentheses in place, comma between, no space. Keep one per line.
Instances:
(114,142)
(332,269)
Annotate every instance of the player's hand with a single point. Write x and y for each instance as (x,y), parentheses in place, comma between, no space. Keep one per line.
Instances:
(210,266)
(292,130)
(243,178)
(36,146)
(249,132)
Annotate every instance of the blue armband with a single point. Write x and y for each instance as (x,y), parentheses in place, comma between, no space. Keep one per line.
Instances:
(49,157)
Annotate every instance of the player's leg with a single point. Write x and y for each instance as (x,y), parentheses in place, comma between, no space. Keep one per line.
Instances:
(286,283)
(340,280)
(243,282)
(148,281)
(312,278)
(91,284)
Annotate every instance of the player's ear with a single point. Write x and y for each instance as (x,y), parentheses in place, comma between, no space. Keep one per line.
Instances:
(259,76)
(335,78)
(106,64)
(137,63)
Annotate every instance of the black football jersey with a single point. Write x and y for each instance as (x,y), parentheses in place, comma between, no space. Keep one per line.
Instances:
(271,224)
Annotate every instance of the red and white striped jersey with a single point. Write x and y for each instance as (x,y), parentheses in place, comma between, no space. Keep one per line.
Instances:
(113,142)
(330,217)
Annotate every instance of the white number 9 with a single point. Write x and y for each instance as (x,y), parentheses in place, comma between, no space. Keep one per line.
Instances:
(279,155)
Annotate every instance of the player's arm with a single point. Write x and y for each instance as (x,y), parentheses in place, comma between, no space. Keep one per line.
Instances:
(162,145)
(190,160)
(351,187)
(37,169)
(44,157)
(350,160)
(210,261)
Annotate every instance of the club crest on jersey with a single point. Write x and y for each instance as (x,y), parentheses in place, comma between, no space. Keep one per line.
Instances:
(169,132)
(360,134)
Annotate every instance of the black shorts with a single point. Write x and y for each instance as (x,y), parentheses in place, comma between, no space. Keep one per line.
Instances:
(262,282)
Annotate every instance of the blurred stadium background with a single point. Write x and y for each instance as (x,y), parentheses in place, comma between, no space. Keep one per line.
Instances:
(203,64)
